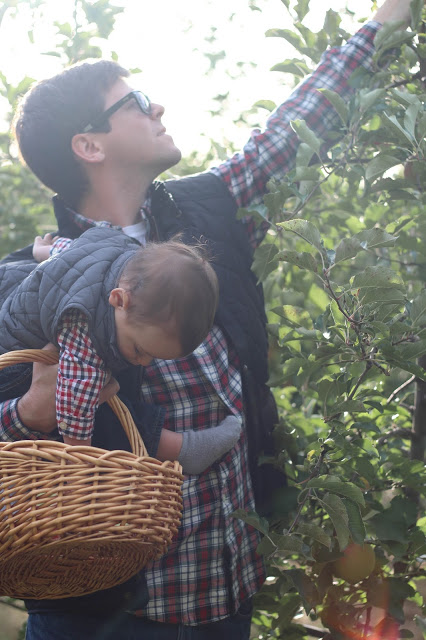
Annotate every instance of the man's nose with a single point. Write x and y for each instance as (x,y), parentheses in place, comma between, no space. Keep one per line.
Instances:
(157,110)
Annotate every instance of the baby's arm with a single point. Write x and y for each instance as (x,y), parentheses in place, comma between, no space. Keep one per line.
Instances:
(197,450)
(81,377)
(47,246)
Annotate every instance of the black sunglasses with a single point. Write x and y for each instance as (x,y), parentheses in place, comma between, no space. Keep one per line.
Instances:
(142,101)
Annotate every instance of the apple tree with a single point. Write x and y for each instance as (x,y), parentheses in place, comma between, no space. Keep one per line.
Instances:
(344,271)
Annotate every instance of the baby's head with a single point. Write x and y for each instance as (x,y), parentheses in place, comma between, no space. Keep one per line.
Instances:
(165,302)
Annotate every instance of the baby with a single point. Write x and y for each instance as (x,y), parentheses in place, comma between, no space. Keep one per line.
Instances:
(107,302)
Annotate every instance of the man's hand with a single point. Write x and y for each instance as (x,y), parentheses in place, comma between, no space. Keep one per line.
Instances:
(393,11)
(37,408)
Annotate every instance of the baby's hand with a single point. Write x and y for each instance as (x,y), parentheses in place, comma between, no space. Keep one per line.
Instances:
(41,248)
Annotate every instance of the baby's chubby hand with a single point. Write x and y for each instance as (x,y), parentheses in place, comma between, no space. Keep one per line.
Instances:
(42,246)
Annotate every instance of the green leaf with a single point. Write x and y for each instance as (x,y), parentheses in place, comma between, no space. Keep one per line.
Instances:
(418,309)
(334,485)
(285,544)
(266,547)
(347,248)
(405,98)
(369,98)
(374,277)
(253,519)
(389,525)
(314,532)
(292,366)
(364,467)
(421,126)
(386,30)
(339,517)
(338,103)
(259,213)
(306,173)
(332,21)
(265,260)
(350,406)
(356,524)
(379,165)
(304,155)
(390,36)
(291,37)
(302,8)
(416,7)
(269,105)
(306,135)
(401,134)
(296,67)
(302,260)
(306,589)
(411,367)
(305,230)
(373,238)
(410,351)
(294,316)
(382,296)
(410,118)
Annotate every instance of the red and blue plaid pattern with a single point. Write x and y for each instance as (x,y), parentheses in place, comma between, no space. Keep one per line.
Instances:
(81,377)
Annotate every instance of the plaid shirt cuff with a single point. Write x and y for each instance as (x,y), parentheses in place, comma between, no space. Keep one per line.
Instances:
(59,244)
(11,427)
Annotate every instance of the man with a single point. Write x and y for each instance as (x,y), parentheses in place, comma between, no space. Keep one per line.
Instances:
(100,146)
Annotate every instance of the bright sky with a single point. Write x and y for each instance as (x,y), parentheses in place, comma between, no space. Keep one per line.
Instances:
(166,39)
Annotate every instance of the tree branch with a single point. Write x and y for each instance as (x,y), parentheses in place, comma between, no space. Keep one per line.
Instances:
(400,388)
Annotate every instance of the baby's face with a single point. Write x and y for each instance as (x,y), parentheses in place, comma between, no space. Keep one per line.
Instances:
(139,344)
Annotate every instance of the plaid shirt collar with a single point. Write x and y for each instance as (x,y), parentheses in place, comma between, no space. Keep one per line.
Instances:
(72,224)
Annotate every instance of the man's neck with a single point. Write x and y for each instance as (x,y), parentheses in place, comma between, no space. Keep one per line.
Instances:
(118,204)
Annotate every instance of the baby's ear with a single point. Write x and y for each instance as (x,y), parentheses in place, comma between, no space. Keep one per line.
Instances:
(119,298)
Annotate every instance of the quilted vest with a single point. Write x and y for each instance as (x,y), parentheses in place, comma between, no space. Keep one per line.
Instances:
(202,209)
(80,278)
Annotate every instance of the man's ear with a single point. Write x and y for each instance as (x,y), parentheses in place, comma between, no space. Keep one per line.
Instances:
(119,298)
(88,147)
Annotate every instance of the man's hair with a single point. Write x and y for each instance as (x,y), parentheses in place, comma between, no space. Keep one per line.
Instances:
(173,285)
(52,112)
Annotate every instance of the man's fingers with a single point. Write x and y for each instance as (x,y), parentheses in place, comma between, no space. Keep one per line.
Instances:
(50,347)
(109,390)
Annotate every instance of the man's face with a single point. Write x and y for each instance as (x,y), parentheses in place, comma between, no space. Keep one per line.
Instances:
(137,140)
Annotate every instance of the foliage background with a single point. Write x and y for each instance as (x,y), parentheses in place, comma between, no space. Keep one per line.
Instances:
(343,268)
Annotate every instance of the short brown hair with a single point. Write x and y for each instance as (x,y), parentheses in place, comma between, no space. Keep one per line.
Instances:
(52,112)
(171,283)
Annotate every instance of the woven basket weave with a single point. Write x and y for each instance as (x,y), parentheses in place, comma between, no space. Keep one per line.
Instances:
(76,519)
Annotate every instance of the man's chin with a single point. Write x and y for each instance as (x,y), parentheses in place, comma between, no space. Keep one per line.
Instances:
(174,158)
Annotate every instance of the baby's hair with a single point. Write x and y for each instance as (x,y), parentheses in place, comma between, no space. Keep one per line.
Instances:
(172,284)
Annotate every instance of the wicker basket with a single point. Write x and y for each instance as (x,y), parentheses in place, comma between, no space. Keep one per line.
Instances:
(76,519)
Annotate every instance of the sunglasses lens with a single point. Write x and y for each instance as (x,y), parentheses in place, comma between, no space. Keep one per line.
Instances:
(143,102)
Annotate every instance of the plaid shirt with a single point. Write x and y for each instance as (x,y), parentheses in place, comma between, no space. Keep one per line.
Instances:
(212,565)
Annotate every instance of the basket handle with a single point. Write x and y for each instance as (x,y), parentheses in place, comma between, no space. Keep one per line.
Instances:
(121,411)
